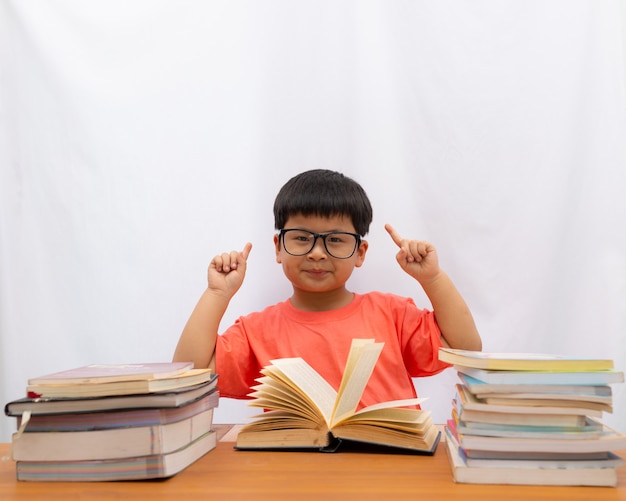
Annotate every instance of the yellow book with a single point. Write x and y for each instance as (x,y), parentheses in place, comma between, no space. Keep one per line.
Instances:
(185,379)
(522,361)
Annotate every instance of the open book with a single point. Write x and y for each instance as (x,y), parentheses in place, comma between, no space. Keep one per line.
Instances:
(304,411)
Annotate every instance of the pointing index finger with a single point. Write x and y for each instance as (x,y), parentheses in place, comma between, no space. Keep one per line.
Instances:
(395,236)
(246,250)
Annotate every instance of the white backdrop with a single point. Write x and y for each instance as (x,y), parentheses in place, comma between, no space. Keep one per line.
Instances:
(138,139)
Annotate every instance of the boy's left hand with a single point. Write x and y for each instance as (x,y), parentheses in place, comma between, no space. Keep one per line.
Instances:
(417,257)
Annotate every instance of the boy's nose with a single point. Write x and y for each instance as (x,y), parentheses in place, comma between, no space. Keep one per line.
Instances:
(318,251)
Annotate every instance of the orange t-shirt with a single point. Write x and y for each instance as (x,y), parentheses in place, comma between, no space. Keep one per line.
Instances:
(411,336)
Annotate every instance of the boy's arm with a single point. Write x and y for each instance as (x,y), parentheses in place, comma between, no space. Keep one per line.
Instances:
(419,259)
(454,318)
(225,276)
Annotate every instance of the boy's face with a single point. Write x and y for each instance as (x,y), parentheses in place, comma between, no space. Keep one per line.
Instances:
(318,271)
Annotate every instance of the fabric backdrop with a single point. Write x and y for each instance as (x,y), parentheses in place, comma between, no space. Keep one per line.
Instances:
(138,139)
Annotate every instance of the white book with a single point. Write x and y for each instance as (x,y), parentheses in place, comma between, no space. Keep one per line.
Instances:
(134,468)
(585,474)
(112,443)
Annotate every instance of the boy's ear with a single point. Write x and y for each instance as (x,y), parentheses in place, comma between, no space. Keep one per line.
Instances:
(277,247)
(360,253)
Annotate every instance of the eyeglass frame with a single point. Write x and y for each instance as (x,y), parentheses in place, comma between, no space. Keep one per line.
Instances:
(357,241)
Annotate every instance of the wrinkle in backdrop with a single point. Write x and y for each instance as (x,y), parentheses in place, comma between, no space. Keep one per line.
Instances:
(138,140)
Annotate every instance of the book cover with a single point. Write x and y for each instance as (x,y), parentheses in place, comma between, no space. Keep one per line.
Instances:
(107,373)
(522,361)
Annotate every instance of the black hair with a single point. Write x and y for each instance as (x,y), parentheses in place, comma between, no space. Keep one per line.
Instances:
(323,193)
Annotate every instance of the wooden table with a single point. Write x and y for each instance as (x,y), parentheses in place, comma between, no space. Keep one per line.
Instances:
(226,474)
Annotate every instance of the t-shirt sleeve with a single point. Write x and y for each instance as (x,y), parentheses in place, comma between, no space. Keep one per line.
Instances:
(235,363)
(421,340)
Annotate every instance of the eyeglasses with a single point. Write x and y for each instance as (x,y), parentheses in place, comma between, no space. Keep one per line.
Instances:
(338,244)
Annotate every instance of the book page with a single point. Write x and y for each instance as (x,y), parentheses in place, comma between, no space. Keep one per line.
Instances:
(387,412)
(386,417)
(309,382)
(356,349)
(363,356)
(395,403)
(272,394)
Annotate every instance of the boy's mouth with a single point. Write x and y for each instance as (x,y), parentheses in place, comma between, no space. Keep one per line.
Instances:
(316,271)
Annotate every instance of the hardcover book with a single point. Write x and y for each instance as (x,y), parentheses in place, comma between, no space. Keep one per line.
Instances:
(306,412)
(113,443)
(160,465)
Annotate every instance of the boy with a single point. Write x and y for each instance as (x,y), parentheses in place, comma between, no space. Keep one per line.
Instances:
(321,217)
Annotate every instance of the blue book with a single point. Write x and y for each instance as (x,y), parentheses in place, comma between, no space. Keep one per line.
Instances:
(543,377)
(478,387)
(591,429)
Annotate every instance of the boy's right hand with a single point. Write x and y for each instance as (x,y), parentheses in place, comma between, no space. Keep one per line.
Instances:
(227,271)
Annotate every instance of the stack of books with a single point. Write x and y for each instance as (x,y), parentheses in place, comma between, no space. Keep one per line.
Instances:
(114,422)
(520,418)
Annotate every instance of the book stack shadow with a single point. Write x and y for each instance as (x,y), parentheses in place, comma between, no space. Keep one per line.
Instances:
(114,422)
(532,419)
